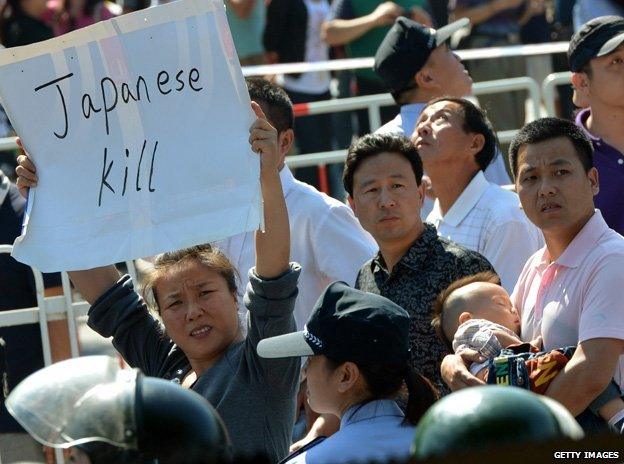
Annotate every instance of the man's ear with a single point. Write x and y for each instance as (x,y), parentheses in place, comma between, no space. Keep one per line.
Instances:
(286,140)
(477,143)
(592,175)
(351,204)
(424,79)
(348,374)
(580,82)
(425,183)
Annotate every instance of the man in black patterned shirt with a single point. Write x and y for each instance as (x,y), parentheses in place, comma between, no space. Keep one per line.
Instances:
(383,179)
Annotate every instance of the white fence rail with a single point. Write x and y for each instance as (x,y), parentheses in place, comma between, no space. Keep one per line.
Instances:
(374,102)
(549,87)
(54,308)
(360,63)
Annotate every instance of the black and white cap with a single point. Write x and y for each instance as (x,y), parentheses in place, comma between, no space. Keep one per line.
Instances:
(347,325)
(406,48)
(595,38)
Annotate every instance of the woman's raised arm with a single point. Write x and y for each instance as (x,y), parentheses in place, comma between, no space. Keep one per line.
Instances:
(272,245)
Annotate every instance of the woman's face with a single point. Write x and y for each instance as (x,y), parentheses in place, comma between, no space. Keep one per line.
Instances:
(199,311)
(322,383)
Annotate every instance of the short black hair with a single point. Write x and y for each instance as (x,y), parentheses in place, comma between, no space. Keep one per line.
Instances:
(274,101)
(544,129)
(476,122)
(373,144)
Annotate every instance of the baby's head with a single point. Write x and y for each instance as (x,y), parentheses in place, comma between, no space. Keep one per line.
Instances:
(475,297)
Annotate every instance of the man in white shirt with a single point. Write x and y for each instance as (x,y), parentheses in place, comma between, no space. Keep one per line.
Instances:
(326,238)
(456,141)
(417,65)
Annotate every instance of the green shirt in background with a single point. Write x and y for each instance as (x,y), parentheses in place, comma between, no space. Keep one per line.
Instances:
(247,33)
(367,44)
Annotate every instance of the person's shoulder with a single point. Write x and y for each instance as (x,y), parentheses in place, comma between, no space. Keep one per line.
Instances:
(365,275)
(459,252)
(307,197)
(465,260)
(503,205)
(609,247)
(392,127)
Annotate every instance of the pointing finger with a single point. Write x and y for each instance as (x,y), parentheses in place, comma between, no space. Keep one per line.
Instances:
(258,111)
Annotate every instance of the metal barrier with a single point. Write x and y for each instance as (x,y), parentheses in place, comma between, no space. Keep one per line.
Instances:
(374,102)
(39,316)
(549,87)
(54,308)
(360,63)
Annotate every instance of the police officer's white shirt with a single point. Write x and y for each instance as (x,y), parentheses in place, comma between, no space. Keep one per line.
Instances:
(489,219)
(368,433)
(325,239)
(405,123)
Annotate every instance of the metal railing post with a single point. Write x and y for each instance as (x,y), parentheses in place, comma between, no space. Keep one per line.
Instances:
(549,86)
(71,318)
(374,117)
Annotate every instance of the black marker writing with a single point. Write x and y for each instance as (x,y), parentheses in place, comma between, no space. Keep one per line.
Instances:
(138,188)
(149,185)
(107,99)
(58,87)
(112,177)
(105,172)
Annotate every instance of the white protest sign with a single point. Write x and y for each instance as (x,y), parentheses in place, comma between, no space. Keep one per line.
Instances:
(138,127)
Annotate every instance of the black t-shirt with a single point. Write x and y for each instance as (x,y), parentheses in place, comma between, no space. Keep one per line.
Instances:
(17,290)
(25,30)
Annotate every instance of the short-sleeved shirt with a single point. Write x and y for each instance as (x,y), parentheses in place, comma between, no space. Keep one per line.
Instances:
(489,219)
(430,265)
(578,296)
(610,165)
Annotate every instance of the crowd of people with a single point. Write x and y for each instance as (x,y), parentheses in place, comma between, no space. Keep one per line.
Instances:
(438,264)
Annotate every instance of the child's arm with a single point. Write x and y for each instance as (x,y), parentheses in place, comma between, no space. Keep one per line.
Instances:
(505,338)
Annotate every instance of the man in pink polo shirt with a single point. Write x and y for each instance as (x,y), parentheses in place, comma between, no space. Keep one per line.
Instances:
(569,292)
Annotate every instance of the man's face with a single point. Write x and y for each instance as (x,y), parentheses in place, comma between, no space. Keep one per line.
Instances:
(445,67)
(604,85)
(555,191)
(387,199)
(441,138)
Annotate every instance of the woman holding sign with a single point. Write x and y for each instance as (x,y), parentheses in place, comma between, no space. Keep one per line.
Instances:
(200,342)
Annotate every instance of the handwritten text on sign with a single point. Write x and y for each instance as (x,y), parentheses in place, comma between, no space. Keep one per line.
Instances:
(106,100)
(138,127)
